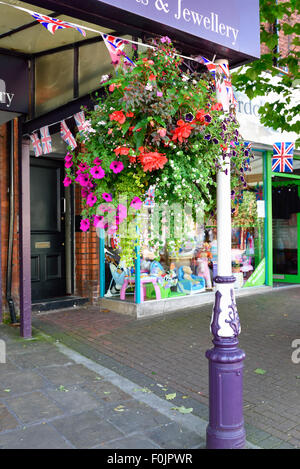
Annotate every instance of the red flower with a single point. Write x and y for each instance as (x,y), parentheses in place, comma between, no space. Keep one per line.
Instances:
(121,151)
(200,116)
(118,116)
(129,114)
(223,146)
(132,158)
(152,160)
(148,61)
(152,76)
(217,107)
(182,131)
(113,86)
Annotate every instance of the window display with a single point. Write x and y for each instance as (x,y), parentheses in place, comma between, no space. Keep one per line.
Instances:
(167,271)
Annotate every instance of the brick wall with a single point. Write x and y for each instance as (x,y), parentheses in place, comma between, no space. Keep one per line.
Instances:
(285,42)
(4,197)
(86,255)
(86,258)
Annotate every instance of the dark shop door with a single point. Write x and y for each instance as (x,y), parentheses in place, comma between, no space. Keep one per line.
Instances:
(48,272)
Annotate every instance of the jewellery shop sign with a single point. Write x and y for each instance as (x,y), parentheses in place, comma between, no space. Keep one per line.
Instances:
(231,23)
(14,84)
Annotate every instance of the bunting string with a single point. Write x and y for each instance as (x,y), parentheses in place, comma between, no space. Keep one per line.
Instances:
(86,28)
(115,48)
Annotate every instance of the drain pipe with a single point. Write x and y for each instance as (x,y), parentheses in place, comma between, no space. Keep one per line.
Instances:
(9,298)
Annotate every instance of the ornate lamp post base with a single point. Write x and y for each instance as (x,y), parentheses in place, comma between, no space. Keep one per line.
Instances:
(226,423)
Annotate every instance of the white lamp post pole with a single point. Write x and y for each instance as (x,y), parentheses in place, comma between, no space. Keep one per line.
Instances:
(226,426)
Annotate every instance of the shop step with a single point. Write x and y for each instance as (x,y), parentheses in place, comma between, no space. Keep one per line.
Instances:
(49,304)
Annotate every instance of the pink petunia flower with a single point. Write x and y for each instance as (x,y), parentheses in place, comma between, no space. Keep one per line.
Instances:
(91,200)
(159,94)
(83,179)
(83,167)
(99,222)
(68,164)
(107,197)
(67,181)
(97,219)
(136,203)
(84,193)
(116,166)
(97,172)
(85,224)
(90,185)
(97,161)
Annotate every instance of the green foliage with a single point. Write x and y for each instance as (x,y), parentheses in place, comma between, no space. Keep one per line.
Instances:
(155,126)
(246,211)
(283,113)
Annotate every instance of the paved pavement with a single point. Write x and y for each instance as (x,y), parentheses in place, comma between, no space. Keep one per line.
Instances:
(157,365)
(54,398)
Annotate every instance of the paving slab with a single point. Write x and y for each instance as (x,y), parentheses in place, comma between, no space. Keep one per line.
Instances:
(86,429)
(33,407)
(37,437)
(7,420)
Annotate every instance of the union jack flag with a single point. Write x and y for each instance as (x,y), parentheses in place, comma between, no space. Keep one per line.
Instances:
(211,67)
(258,192)
(224,85)
(36,143)
(80,121)
(282,161)
(115,46)
(52,24)
(46,140)
(230,94)
(225,69)
(67,135)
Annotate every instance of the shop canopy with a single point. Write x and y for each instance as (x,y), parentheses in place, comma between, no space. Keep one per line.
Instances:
(67,65)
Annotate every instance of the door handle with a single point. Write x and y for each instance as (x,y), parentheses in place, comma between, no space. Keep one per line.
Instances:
(63,199)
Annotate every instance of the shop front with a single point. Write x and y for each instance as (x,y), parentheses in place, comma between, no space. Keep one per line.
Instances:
(278,191)
(265,237)
(61,257)
(58,263)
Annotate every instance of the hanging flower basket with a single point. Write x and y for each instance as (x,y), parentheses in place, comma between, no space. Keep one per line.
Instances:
(156,125)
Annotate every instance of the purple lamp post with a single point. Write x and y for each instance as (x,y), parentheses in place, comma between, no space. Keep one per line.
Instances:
(226,425)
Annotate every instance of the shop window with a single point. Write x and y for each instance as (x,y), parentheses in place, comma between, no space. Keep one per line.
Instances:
(54,81)
(94,61)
